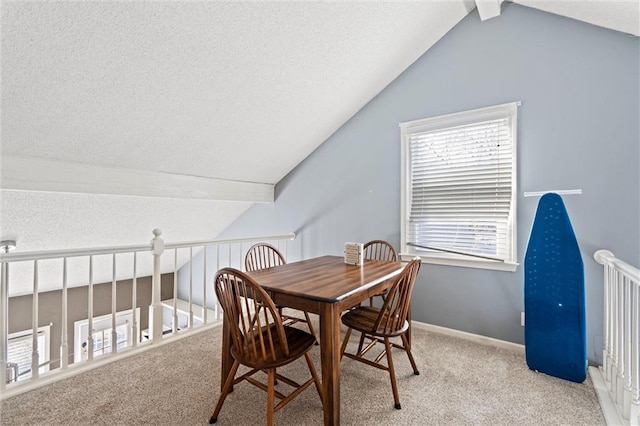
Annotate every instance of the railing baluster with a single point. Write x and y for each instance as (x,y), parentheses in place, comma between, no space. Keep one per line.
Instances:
(620,333)
(190,287)
(134,301)
(285,248)
(217,268)
(204,286)
(90,313)
(4,323)
(64,345)
(175,291)
(634,412)
(612,327)
(614,332)
(626,370)
(606,345)
(114,331)
(35,357)
(635,340)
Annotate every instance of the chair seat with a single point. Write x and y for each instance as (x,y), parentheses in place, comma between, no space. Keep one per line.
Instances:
(298,340)
(364,319)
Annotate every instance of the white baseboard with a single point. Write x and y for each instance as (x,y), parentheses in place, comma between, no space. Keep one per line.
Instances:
(477,338)
(609,410)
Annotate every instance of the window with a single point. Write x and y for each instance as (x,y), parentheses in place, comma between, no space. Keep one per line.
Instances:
(102,339)
(102,334)
(459,188)
(20,350)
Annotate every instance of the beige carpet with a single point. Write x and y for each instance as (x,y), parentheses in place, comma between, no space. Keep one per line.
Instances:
(461,383)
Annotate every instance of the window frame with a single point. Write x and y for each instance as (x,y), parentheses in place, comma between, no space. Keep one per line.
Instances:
(43,352)
(101,323)
(409,128)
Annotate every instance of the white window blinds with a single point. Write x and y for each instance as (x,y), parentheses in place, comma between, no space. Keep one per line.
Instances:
(460,192)
(20,350)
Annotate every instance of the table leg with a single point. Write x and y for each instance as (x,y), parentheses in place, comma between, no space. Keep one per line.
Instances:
(330,359)
(225,355)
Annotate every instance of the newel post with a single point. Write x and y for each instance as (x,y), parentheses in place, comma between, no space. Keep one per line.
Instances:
(155,310)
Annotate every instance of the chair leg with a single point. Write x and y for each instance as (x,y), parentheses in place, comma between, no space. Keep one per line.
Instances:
(314,374)
(271,397)
(361,343)
(392,374)
(344,344)
(306,315)
(407,349)
(225,391)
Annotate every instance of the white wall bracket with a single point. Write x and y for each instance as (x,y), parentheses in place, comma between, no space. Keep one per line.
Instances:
(557,191)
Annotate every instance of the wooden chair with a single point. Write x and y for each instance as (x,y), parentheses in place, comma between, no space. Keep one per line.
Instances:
(379,250)
(263,256)
(381,324)
(259,340)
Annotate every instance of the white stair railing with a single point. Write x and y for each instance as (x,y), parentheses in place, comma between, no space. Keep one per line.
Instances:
(621,351)
(147,257)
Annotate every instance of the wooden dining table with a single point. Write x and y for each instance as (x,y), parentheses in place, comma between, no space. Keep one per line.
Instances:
(325,286)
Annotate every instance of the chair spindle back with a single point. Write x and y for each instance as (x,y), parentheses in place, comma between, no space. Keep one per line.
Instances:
(249,311)
(380,250)
(395,309)
(262,256)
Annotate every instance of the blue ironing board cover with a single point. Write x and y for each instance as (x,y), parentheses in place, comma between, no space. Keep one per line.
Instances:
(554,332)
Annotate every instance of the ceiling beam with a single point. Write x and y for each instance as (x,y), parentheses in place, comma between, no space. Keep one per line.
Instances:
(488,8)
(38,174)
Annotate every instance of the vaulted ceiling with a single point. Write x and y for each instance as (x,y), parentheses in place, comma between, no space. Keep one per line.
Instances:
(121,117)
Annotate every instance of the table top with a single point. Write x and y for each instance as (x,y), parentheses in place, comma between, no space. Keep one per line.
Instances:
(326,278)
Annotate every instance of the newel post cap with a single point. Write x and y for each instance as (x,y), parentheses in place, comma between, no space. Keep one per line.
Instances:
(157,242)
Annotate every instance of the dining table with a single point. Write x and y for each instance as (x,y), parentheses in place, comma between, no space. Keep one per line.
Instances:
(326,286)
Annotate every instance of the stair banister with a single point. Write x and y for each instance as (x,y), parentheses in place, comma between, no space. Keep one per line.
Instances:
(621,345)
(95,276)
(64,338)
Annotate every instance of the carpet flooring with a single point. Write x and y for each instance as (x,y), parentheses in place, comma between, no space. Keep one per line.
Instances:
(461,383)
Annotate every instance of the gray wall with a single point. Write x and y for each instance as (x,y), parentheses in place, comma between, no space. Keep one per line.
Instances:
(578,128)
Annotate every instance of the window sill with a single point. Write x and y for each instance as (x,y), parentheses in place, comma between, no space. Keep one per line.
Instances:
(461,262)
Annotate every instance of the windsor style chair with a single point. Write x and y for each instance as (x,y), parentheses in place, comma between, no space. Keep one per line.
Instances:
(379,325)
(259,340)
(262,256)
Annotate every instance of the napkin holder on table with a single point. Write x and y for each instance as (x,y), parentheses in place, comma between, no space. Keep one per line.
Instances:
(353,254)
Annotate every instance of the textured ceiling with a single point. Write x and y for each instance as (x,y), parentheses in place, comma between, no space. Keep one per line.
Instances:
(241,91)
(231,90)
